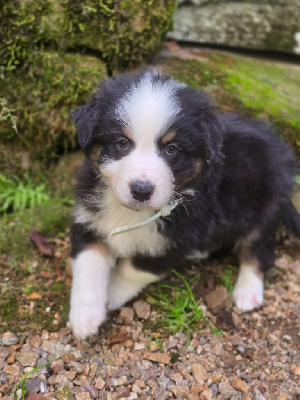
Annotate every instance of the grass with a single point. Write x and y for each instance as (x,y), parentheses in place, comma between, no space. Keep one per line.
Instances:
(228,278)
(180,310)
(297,179)
(21,384)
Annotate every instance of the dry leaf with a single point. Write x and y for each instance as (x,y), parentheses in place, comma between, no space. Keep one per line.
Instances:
(33,296)
(42,243)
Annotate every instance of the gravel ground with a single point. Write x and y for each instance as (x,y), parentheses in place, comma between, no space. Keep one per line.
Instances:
(256,357)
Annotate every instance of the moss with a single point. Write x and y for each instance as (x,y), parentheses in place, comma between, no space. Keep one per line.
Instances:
(16,312)
(42,101)
(125,32)
(256,88)
(21,32)
(49,219)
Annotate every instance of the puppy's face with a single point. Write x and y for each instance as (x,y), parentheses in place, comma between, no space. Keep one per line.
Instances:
(149,137)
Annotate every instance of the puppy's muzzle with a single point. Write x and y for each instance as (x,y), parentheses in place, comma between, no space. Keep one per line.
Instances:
(141,190)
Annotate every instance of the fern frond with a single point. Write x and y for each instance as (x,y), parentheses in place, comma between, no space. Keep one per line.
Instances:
(16,195)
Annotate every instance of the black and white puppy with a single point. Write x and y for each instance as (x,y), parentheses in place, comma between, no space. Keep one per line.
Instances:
(149,142)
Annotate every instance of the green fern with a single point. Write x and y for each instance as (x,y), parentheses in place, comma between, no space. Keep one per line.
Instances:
(6,114)
(17,195)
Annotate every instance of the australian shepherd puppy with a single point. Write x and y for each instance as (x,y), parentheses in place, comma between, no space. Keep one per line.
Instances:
(157,148)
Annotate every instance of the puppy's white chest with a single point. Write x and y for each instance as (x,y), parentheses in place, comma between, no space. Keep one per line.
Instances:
(145,240)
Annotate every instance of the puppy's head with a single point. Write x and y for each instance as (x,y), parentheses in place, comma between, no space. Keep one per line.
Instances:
(149,136)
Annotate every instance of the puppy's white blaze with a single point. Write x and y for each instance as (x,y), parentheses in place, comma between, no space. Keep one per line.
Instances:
(249,289)
(126,282)
(91,272)
(144,165)
(149,107)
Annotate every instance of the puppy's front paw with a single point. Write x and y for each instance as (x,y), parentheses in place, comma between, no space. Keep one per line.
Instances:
(85,320)
(249,294)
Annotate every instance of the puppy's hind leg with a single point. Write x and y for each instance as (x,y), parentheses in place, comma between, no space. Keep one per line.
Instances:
(91,270)
(255,259)
(126,282)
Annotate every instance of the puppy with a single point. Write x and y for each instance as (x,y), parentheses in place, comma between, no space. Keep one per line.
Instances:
(152,143)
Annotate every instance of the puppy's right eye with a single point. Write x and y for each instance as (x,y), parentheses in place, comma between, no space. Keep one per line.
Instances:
(122,144)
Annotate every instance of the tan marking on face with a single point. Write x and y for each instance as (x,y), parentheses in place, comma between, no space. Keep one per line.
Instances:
(127,132)
(95,155)
(192,174)
(168,137)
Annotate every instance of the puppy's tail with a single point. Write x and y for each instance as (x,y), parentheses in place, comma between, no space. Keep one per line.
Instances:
(291,218)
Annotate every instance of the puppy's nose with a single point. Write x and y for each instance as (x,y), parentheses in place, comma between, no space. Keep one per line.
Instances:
(141,190)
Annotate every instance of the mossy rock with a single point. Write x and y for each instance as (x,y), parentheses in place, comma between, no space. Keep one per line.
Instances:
(42,101)
(260,89)
(125,32)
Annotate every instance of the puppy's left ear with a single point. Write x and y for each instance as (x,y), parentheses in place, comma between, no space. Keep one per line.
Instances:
(82,118)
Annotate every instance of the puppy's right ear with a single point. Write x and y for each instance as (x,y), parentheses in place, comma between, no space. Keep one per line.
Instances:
(82,119)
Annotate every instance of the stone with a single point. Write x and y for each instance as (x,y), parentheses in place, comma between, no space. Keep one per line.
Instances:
(8,339)
(264,25)
(122,380)
(239,385)
(139,346)
(217,346)
(199,372)
(180,391)
(226,390)
(27,358)
(52,347)
(12,369)
(35,341)
(34,396)
(225,320)
(100,383)
(218,299)
(287,338)
(257,395)
(61,379)
(157,357)
(34,385)
(295,369)
(126,314)
(83,396)
(92,391)
(163,381)
(142,309)
(283,396)
(272,339)
(64,393)
(3,378)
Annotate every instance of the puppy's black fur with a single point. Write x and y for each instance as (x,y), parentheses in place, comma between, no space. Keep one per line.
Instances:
(233,174)
(246,185)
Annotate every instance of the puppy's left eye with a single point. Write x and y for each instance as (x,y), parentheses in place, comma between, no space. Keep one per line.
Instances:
(122,144)
(172,149)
